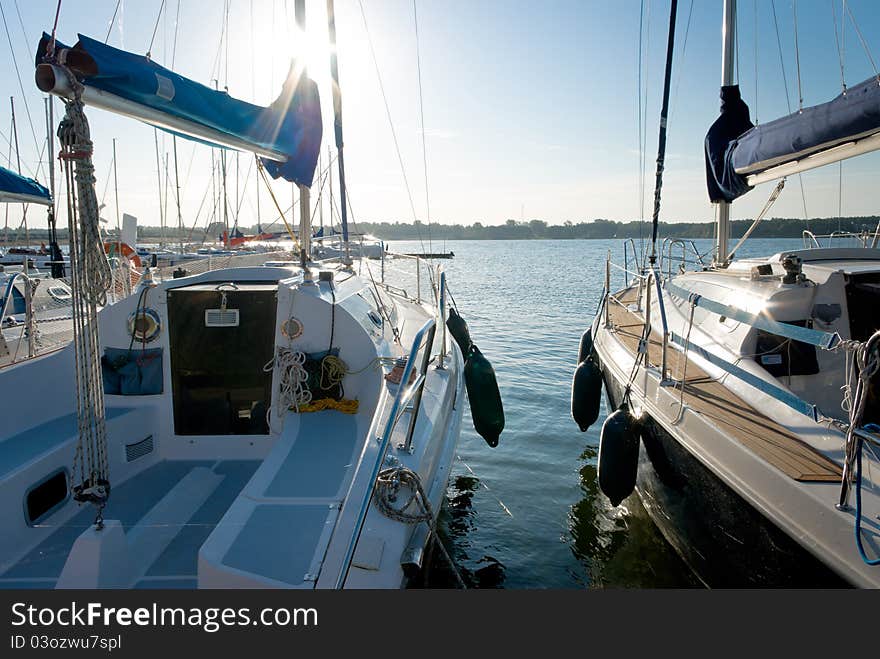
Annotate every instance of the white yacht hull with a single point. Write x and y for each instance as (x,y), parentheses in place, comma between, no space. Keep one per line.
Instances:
(714,469)
(209,492)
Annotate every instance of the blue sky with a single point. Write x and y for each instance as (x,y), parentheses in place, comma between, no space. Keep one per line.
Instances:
(530,108)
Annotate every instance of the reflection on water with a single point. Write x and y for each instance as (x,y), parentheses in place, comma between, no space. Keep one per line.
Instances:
(621,545)
(529,513)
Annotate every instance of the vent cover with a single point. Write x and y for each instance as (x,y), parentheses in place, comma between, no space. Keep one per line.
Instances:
(221,317)
(139,449)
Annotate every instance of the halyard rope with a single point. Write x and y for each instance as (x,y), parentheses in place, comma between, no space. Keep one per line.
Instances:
(90,280)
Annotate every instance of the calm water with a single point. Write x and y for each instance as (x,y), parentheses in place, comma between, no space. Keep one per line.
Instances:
(529,513)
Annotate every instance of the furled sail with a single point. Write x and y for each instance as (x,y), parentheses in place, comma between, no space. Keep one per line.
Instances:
(286,134)
(16,188)
(848,119)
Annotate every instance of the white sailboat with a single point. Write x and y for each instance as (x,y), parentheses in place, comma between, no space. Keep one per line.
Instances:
(34,306)
(746,392)
(287,426)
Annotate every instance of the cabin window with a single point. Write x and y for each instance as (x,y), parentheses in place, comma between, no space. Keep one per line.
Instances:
(46,497)
(862,297)
(59,293)
(781,357)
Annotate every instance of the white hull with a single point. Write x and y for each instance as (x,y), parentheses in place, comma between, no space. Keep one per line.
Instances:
(803,508)
(252,506)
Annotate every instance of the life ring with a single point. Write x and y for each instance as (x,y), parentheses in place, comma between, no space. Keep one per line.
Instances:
(144,325)
(111,247)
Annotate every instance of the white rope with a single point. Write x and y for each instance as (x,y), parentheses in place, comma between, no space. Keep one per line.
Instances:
(89,282)
(292,378)
(861,368)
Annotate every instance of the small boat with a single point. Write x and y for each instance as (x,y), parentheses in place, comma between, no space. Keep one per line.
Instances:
(35,314)
(745,391)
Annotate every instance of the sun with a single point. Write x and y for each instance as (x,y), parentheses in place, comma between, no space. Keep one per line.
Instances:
(280,46)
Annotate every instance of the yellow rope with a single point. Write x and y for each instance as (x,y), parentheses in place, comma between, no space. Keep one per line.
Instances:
(333,371)
(345,406)
(277,206)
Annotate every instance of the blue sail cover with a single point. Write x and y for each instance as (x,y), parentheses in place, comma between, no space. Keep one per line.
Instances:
(17,188)
(725,184)
(290,127)
(850,116)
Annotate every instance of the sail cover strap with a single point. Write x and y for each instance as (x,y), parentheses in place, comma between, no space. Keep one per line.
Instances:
(286,134)
(725,184)
(734,155)
(16,188)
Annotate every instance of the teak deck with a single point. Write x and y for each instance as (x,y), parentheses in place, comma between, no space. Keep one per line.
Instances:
(767,439)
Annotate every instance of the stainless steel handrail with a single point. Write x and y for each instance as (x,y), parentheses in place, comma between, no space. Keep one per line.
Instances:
(441,308)
(404,394)
(28,309)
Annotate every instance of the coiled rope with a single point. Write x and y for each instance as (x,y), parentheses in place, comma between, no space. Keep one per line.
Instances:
(292,378)
(861,369)
(333,371)
(399,483)
(90,279)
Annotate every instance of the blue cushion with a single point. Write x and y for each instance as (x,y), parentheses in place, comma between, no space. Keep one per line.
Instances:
(29,444)
(135,372)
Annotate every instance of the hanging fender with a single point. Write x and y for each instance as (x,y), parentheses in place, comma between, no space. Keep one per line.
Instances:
(459,330)
(586,386)
(619,454)
(484,397)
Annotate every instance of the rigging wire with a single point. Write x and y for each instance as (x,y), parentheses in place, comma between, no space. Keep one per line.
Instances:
(681,58)
(641,139)
(755,104)
(21,87)
(788,104)
(390,121)
(155,28)
(643,146)
(797,57)
(852,18)
(112,20)
(422,122)
(838,40)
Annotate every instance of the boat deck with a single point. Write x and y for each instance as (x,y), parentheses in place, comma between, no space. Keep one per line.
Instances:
(761,435)
(168,537)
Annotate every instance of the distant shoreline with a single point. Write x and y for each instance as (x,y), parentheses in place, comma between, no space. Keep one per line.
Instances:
(528,230)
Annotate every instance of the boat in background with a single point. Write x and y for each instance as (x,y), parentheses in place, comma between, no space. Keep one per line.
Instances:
(331,245)
(746,394)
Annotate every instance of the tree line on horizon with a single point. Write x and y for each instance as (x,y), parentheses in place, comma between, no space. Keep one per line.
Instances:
(609,229)
(523,230)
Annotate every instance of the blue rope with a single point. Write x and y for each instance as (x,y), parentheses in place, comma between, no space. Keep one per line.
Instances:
(858,528)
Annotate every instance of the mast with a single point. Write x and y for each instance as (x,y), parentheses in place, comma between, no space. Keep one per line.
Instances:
(330,180)
(728,34)
(661,143)
(305,219)
(177,188)
(116,197)
(337,123)
(27,237)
